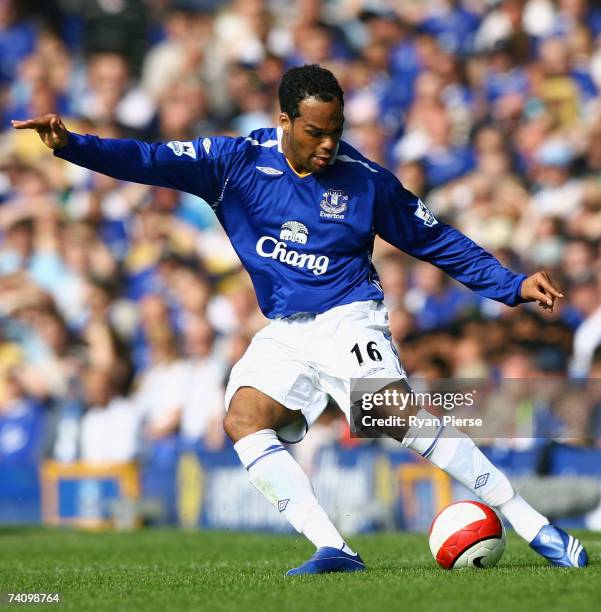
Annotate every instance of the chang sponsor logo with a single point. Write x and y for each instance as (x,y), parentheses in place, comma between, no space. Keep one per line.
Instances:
(292,231)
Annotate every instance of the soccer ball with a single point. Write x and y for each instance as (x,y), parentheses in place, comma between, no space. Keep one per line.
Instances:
(467,534)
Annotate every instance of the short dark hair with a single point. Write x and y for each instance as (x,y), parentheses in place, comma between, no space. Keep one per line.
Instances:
(309,81)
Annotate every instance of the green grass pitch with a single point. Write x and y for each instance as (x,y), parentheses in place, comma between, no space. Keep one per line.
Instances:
(179,570)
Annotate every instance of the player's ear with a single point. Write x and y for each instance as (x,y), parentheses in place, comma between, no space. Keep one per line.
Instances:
(285,122)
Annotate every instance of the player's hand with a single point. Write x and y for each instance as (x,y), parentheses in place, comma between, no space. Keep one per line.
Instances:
(50,127)
(539,287)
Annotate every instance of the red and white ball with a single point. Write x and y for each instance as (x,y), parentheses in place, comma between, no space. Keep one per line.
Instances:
(467,534)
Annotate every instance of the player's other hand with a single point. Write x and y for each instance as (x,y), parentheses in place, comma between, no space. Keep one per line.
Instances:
(50,127)
(540,288)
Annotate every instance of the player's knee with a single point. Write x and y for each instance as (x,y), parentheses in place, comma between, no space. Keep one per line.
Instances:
(233,425)
(251,411)
(391,415)
(240,420)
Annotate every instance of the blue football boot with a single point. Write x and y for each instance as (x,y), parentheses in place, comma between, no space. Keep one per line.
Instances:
(327,560)
(559,548)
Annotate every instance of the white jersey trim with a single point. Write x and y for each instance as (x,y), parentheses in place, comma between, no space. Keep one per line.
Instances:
(267,144)
(347,158)
(280,132)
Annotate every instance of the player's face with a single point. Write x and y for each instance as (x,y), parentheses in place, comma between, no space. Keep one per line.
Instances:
(310,140)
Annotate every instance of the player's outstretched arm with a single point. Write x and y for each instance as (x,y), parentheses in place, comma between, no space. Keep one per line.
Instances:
(186,166)
(50,128)
(540,288)
(402,219)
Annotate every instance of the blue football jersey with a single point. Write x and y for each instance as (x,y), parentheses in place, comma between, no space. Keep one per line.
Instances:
(306,241)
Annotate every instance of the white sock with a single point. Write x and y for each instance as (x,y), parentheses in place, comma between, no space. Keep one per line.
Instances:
(273,471)
(526,521)
(455,453)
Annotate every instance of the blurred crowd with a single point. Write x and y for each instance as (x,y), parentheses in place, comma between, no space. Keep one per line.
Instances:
(123,307)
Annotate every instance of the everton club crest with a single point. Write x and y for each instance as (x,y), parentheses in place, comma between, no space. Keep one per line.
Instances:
(333,204)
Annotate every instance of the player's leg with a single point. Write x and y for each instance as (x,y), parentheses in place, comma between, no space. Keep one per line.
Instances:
(456,454)
(251,422)
(446,447)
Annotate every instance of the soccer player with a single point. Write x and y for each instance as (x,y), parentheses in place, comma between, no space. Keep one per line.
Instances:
(301,208)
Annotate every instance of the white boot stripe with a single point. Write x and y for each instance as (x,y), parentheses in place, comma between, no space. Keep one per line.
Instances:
(575,554)
(572,550)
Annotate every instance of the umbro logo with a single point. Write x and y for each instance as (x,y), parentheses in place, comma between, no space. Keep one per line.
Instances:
(282,504)
(269,171)
(481,480)
(371,372)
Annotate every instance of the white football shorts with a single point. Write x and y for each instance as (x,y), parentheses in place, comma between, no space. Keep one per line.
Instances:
(300,360)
